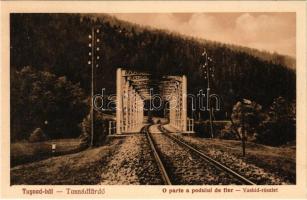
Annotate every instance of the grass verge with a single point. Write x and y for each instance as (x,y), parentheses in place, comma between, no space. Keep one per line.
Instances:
(74,169)
(25,152)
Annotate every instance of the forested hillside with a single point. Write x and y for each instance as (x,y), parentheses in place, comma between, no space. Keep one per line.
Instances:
(58,44)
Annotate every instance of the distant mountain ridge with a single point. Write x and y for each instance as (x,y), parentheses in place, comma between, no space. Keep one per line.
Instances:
(59,43)
(276,58)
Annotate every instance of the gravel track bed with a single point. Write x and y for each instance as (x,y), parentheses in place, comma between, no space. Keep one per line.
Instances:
(132,163)
(256,174)
(185,168)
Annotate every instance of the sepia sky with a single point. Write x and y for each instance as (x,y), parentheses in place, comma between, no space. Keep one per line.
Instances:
(274,32)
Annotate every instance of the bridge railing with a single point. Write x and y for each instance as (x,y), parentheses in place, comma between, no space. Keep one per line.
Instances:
(112,127)
(190,125)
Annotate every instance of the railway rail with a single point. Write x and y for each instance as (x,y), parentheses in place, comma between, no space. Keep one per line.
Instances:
(159,162)
(180,163)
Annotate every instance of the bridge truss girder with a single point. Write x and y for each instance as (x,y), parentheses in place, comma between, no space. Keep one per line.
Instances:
(133,88)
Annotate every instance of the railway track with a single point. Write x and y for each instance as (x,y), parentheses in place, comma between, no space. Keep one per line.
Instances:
(159,162)
(180,163)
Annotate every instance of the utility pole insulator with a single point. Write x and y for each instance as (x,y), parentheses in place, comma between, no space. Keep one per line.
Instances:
(208,71)
(93,61)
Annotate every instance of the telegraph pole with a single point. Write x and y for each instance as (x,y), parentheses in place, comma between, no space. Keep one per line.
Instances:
(208,72)
(93,61)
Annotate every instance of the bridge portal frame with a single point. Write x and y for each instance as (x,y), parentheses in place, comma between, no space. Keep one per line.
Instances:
(130,104)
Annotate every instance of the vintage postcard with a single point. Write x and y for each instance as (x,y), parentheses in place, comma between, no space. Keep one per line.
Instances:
(163,100)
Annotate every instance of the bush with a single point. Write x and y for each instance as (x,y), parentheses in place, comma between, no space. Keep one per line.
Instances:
(279,126)
(85,135)
(37,136)
(39,95)
(228,133)
(100,130)
(276,133)
(202,129)
(246,115)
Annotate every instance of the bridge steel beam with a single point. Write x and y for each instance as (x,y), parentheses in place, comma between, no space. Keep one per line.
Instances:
(125,102)
(184,103)
(119,105)
(178,105)
(129,104)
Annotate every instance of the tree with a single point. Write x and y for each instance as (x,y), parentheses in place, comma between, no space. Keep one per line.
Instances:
(245,119)
(38,96)
(59,43)
(279,126)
